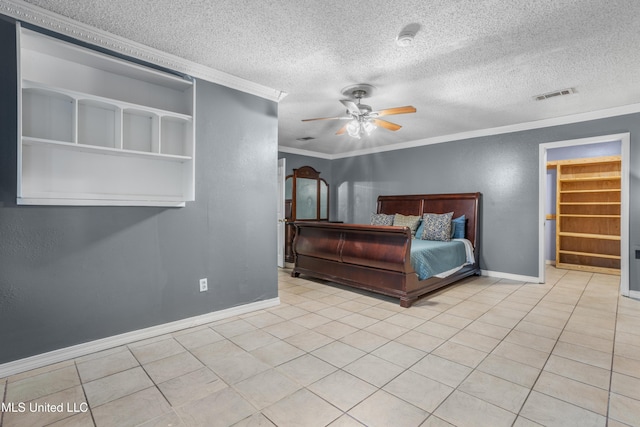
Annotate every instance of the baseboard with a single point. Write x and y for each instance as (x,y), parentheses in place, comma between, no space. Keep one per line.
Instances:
(60,355)
(634,295)
(550,262)
(510,276)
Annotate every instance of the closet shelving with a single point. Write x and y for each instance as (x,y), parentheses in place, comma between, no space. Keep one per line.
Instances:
(588,214)
(99,130)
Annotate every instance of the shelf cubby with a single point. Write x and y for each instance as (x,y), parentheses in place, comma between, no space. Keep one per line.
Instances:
(98,130)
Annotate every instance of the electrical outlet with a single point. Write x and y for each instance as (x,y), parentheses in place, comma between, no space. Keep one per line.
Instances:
(203,285)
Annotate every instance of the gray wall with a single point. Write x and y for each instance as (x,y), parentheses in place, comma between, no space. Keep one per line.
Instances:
(504,168)
(74,274)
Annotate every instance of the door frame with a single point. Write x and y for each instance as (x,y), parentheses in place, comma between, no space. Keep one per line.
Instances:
(282,174)
(625,142)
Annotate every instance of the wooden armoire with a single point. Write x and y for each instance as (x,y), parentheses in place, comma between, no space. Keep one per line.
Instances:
(306,199)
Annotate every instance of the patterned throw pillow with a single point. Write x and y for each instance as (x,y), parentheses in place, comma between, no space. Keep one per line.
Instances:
(381,219)
(437,226)
(410,221)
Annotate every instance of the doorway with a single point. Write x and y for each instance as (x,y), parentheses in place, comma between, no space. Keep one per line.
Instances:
(624,140)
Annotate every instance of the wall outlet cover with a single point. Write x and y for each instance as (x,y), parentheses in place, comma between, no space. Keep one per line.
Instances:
(203,285)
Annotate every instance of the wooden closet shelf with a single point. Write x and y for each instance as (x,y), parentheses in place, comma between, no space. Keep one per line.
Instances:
(592,178)
(590,254)
(588,216)
(602,190)
(589,203)
(589,235)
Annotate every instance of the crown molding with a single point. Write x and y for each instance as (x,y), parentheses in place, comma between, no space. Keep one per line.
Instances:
(34,15)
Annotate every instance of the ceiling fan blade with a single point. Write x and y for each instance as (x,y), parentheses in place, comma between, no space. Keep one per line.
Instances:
(342,130)
(385,124)
(352,107)
(396,110)
(327,118)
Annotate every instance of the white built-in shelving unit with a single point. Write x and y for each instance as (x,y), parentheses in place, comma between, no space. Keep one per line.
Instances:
(98,130)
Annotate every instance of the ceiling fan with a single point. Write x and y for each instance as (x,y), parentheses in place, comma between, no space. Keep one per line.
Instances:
(362,119)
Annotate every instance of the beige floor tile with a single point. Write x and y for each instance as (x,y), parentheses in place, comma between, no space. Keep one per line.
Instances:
(624,409)
(437,330)
(579,371)
(192,386)
(526,355)
(302,408)
(627,338)
(173,366)
(222,408)
(405,320)
(237,368)
(252,340)
(53,367)
(418,390)
(359,320)
(210,353)
(37,386)
(451,320)
(364,340)
(157,350)
(277,353)
(386,329)
(580,394)
(533,341)
(170,419)
(538,329)
(263,319)
(441,370)
(583,354)
(335,329)
(346,421)
(198,338)
(595,343)
(306,369)
(434,421)
(115,386)
(354,306)
(420,341)
(499,320)
(523,422)
(132,410)
(479,342)
(36,412)
(552,412)
(460,354)
(233,328)
(285,329)
(487,330)
(342,389)
(510,370)
(338,353)
(101,367)
(255,420)
(627,350)
(288,312)
(399,354)
(464,410)
(266,388)
(309,340)
(373,369)
(625,385)
(334,313)
(79,420)
(497,391)
(311,320)
(626,366)
(378,313)
(384,409)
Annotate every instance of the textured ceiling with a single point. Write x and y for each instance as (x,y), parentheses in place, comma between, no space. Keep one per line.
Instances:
(474,64)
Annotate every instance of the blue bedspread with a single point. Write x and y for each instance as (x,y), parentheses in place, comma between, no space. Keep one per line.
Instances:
(429,257)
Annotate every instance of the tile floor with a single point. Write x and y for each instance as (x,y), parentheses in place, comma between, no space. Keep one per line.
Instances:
(484,352)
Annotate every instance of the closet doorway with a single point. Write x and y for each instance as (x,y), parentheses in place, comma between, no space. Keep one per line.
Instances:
(589,147)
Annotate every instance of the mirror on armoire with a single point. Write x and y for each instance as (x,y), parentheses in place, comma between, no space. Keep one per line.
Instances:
(306,199)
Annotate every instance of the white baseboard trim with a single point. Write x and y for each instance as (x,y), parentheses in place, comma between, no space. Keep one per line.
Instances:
(60,355)
(510,276)
(550,262)
(634,295)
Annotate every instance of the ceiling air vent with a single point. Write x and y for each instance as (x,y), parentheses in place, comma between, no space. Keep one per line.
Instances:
(305,138)
(548,95)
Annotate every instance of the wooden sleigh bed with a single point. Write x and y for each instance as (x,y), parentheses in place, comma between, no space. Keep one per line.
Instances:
(377,258)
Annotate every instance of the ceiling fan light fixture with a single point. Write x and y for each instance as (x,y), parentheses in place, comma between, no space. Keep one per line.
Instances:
(353,128)
(405,38)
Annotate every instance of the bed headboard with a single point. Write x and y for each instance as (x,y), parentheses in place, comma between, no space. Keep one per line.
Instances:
(416,204)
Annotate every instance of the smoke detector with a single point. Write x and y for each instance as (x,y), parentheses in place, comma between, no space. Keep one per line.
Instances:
(405,38)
